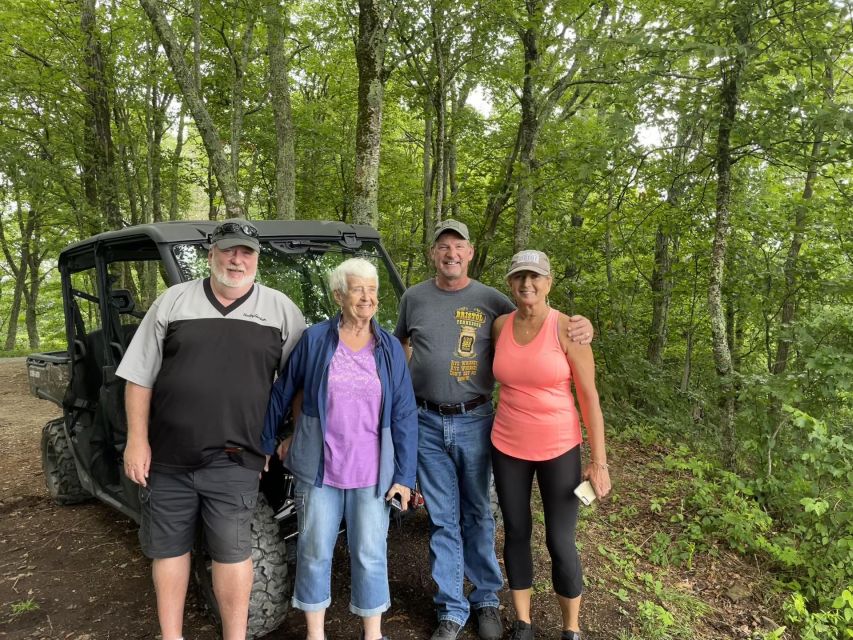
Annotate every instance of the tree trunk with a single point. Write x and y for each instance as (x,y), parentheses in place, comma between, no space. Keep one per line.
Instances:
(457,105)
(239,66)
(19,272)
(789,305)
(528,128)
(211,195)
(251,174)
(155,152)
(688,334)
(729,95)
(204,123)
(31,295)
(790,270)
(370,58)
(196,71)
(535,111)
(617,309)
(100,153)
(538,103)
(498,198)
(440,164)
(439,99)
(346,192)
(18,269)
(156,124)
(285,159)
(452,177)
(175,169)
(427,173)
(15,309)
(661,294)
(661,284)
(31,236)
(127,173)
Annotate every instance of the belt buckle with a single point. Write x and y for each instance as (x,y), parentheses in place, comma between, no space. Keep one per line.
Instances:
(443,406)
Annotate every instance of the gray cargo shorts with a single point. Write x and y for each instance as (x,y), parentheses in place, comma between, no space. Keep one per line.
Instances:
(223,493)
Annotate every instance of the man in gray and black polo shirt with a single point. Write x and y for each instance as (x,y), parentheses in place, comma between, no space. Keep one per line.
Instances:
(198,373)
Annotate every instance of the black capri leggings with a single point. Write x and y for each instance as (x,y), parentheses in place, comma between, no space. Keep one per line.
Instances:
(557,480)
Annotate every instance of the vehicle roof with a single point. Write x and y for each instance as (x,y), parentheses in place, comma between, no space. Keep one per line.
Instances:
(196,230)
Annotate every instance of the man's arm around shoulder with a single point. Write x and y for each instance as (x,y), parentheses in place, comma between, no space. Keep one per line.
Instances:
(580,329)
(407,348)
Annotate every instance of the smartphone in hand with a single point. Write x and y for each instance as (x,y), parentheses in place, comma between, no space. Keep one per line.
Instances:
(585,492)
(395,502)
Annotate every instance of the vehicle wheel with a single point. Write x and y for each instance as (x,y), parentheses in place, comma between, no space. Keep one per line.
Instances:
(57,463)
(273,581)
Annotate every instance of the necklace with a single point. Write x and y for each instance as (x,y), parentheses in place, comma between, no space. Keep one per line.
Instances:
(530,326)
(533,327)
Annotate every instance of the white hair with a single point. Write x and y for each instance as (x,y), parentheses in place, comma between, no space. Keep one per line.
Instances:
(355,267)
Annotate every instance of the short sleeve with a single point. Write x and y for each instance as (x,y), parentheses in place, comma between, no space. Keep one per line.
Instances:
(401,331)
(144,356)
(291,331)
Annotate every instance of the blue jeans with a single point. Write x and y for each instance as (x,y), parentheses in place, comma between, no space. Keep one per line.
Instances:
(454,467)
(319,512)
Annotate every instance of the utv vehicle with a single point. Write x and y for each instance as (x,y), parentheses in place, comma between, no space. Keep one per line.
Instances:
(108,282)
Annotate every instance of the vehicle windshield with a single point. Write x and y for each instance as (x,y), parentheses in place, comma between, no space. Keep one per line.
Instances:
(303,276)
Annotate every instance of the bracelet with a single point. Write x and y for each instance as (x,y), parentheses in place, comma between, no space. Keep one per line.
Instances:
(603,465)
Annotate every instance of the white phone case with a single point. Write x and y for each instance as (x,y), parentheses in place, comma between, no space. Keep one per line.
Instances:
(585,492)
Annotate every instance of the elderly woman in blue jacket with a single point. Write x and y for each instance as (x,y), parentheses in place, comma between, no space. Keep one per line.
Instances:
(353,449)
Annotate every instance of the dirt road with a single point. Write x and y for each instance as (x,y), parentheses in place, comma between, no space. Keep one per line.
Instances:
(77,572)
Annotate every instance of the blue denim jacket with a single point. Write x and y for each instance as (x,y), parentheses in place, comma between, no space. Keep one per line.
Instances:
(308,369)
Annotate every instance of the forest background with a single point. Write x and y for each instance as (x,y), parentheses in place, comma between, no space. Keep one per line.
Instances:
(686,164)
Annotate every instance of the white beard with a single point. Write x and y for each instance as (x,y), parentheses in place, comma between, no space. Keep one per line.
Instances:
(226,278)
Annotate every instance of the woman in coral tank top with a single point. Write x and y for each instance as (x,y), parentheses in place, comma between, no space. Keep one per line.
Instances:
(536,431)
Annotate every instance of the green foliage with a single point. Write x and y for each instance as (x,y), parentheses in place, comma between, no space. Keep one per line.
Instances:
(23,606)
(663,611)
(665,550)
(800,521)
(836,623)
(655,621)
(776,634)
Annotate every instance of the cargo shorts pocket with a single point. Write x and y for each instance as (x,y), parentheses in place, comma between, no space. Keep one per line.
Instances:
(249,500)
(145,517)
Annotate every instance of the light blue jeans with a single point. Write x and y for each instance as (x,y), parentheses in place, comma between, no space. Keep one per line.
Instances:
(454,468)
(319,513)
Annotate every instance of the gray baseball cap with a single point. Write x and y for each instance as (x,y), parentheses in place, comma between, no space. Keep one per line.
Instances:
(530,260)
(451,225)
(236,232)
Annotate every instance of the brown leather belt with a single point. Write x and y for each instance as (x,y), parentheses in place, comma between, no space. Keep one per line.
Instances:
(452,409)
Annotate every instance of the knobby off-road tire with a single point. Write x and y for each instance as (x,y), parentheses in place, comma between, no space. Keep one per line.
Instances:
(273,582)
(57,463)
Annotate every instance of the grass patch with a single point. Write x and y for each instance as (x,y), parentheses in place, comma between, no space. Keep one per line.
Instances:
(24,606)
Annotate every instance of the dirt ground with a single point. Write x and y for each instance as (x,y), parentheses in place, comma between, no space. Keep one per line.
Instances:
(77,572)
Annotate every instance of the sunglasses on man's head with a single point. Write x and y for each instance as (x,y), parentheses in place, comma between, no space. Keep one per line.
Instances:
(235,227)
